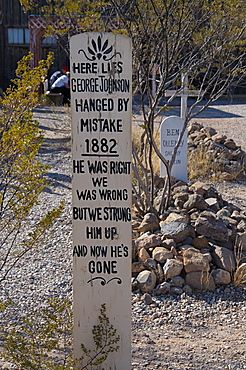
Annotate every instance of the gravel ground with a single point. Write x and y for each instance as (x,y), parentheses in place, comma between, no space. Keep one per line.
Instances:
(200,331)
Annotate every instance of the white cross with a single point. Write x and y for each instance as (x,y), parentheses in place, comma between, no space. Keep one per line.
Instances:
(183,94)
(154,68)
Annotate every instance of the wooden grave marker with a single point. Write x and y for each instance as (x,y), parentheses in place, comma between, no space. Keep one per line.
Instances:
(101,103)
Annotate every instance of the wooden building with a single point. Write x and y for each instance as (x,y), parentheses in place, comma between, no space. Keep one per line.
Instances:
(15,41)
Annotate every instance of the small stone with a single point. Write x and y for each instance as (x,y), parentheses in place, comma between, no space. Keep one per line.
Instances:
(149,223)
(176,290)
(151,263)
(147,299)
(146,281)
(194,260)
(138,267)
(230,144)
(162,288)
(220,139)
(179,217)
(172,267)
(161,254)
(169,244)
(221,277)
(178,231)
(195,201)
(224,258)
(213,204)
(197,188)
(209,226)
(143,255)
(200,242)
(177,281)
(147,241)
(187,289)
(225,176)
(200,280)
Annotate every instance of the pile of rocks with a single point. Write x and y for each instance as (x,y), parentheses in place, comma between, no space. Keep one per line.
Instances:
(228,159)
(199,243)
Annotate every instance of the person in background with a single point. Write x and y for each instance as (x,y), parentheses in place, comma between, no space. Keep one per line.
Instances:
(61,85)
(58,74)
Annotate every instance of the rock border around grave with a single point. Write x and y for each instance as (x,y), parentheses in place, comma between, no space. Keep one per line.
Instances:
(199,245)
(228,160)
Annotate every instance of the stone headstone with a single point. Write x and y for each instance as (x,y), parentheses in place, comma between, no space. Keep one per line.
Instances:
(171,129)
(101,131)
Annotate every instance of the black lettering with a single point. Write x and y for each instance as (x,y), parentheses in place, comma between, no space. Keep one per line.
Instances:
(78,166)
(86,213)
(84,68)
(120,167)
(80,250)
(86,194)
(98,251)
(97,167)
(100,181)
(123,104)
(94,105)
(105,267)
(117,214)
(110,232)
(93,232)
(115,194)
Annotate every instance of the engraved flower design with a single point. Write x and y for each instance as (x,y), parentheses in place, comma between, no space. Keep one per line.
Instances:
(99,50)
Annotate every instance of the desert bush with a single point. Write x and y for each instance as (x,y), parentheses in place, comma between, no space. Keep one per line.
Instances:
(41,339)
(21,173)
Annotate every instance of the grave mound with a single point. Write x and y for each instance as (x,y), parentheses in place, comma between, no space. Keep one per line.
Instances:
(227,160)
(200,242)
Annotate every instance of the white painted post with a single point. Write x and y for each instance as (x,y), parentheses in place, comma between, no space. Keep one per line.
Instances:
(154,68)
(171,128)
(101,103)
(184,96)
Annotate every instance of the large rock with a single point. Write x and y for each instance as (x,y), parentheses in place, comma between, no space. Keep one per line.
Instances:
(194,260)
(147,241)
(209,226)
(198,188)
(143,255)
(161,254)
(179,217)
(177,281)
(195,201)
(169,244)
(221,277)
(178,231)
(146,281)
(224,258)
(200,280)
(150,223)
(172,267)
(200,242)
